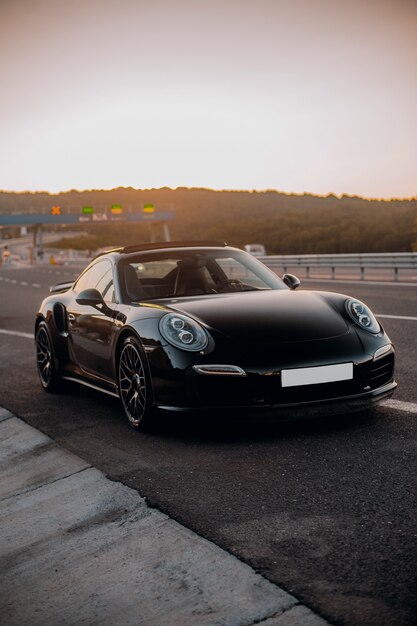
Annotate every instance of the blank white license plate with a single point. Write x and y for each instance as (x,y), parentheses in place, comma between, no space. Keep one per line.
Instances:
(317,375)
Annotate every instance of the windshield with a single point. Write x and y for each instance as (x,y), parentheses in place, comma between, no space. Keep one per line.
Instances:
(155,275)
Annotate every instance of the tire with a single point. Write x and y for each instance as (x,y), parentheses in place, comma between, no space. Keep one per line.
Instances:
(134,384)
(45,359)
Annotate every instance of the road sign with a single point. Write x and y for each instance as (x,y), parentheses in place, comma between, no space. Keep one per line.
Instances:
(21,219)
(56,210)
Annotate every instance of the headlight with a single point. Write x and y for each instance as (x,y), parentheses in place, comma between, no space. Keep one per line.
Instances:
(183,332)
(362,315)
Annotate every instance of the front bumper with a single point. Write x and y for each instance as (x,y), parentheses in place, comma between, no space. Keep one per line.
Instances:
(297,410)
(249,387)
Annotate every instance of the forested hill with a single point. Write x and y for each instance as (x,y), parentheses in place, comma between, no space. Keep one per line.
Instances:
(284,223)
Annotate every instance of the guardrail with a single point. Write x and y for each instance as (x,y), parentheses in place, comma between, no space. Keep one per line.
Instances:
(362,262)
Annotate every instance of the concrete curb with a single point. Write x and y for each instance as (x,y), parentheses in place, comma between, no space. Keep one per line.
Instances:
(77,548)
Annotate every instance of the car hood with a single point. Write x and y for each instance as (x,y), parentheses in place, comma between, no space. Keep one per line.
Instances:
(272,316)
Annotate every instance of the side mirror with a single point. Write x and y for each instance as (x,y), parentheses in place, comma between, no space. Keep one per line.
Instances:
(291,281)
(90,297)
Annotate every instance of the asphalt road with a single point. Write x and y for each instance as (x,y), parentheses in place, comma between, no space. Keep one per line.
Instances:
(325,509)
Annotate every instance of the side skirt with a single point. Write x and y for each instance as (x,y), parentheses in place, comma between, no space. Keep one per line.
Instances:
(80,381)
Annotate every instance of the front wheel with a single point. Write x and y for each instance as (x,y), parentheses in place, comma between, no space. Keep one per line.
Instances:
(45,359)
(134,384)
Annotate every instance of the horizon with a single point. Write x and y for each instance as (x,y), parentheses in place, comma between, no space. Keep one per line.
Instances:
(183,188)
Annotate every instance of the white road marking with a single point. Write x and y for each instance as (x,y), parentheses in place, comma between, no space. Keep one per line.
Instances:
(397,317)
(13,281)
(408,407)
(16,333)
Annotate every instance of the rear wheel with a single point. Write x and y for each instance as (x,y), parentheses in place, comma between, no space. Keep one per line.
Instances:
(45,359)
(134,384)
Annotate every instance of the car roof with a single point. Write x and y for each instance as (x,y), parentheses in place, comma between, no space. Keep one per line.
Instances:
(173,244)
(163,245)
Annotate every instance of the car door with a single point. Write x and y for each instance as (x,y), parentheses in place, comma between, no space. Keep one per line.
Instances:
(91,329)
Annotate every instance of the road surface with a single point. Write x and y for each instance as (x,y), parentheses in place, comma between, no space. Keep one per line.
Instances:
(325,509)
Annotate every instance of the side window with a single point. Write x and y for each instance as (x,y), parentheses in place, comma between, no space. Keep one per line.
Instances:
(100,277)
(106,285)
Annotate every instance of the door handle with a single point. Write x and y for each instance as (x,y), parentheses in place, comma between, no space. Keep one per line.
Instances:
(71,317)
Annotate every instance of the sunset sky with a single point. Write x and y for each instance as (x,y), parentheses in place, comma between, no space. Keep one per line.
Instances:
(294,95)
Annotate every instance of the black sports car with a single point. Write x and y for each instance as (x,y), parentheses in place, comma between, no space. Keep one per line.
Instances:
(193,326)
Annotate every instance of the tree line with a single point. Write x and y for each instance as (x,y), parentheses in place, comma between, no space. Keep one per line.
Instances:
(284,223)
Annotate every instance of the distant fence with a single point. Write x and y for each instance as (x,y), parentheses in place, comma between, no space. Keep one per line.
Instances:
(389,261)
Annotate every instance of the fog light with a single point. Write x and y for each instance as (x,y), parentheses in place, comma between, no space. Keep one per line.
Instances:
(382,351)
(219,370)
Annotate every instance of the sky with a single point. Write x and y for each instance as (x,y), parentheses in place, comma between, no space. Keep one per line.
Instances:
(315,96)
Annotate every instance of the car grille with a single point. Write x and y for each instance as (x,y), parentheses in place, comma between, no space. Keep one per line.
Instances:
(381,371)
(275,394)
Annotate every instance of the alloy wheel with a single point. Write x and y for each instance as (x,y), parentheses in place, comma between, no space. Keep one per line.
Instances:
(132,384)
(44,357)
